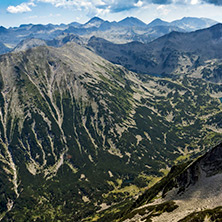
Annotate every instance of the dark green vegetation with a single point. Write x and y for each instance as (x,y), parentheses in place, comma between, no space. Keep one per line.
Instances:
(210,215)
(128,209)
(182,178)
(78,133)
(152,211)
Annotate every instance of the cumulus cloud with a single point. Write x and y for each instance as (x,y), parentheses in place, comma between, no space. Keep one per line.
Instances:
(139,4)
(106,6)
(121,5)
(163,9)
(80,3)
(215,2)
(23,7)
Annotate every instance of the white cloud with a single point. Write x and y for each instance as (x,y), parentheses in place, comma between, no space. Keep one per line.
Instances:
(138,4)
(50,1)
(102,12)
(195,2)
(67,3)
(163,9)
(23,7)
(96,5)
(188,2)
(102,7)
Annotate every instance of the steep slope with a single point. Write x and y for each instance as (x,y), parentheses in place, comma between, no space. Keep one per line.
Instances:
(29,43)
(78,133)
(56,42)
(3,48)
(210,70)
(158,22)
(189,193)
(173,53)
(94,22)
(65,38)
(131,21)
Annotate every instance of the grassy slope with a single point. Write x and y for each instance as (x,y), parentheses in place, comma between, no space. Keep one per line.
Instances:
(82,132)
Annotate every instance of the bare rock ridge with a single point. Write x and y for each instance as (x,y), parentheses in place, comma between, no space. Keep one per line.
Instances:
(209,164)
(56,42)
(29,43)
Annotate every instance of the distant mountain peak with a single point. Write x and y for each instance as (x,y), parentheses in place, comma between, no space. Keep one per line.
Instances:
(95,19)
(75,24)
(131,18)
(158,22)
(93,22)
(2,28)
(218,25)
(28,44)
(131,21)
(157,19)
(193,23)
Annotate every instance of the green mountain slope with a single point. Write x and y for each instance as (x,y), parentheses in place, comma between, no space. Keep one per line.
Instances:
(190,192)
(78,133)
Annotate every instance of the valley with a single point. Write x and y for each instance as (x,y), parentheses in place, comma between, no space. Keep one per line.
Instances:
(93,133)
(101,127)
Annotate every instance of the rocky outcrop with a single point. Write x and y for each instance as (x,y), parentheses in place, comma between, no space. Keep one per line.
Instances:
(208,165)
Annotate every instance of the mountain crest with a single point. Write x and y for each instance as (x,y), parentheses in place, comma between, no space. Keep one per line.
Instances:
(158,22)
(93,22)
(131,21)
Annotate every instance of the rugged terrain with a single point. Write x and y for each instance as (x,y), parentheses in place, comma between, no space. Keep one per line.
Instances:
(190,192)
(174,53)
(126,30)
(78,134)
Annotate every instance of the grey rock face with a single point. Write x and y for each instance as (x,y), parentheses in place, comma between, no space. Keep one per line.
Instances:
(208,165)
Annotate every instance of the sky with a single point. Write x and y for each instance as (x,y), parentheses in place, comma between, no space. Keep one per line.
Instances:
(16,12)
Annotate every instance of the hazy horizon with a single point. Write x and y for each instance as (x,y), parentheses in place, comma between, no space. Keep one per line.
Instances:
(100,18)
(13,13)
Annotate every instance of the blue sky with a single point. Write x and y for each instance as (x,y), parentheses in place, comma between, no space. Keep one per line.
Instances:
(16,12)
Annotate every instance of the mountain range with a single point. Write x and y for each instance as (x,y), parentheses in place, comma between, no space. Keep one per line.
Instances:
(174,53)
(86,135)
(126,30)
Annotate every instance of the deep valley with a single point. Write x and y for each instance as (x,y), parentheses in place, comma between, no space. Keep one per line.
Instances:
(85,139)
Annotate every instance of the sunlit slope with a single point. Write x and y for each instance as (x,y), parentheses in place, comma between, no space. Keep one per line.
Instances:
(78,133)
